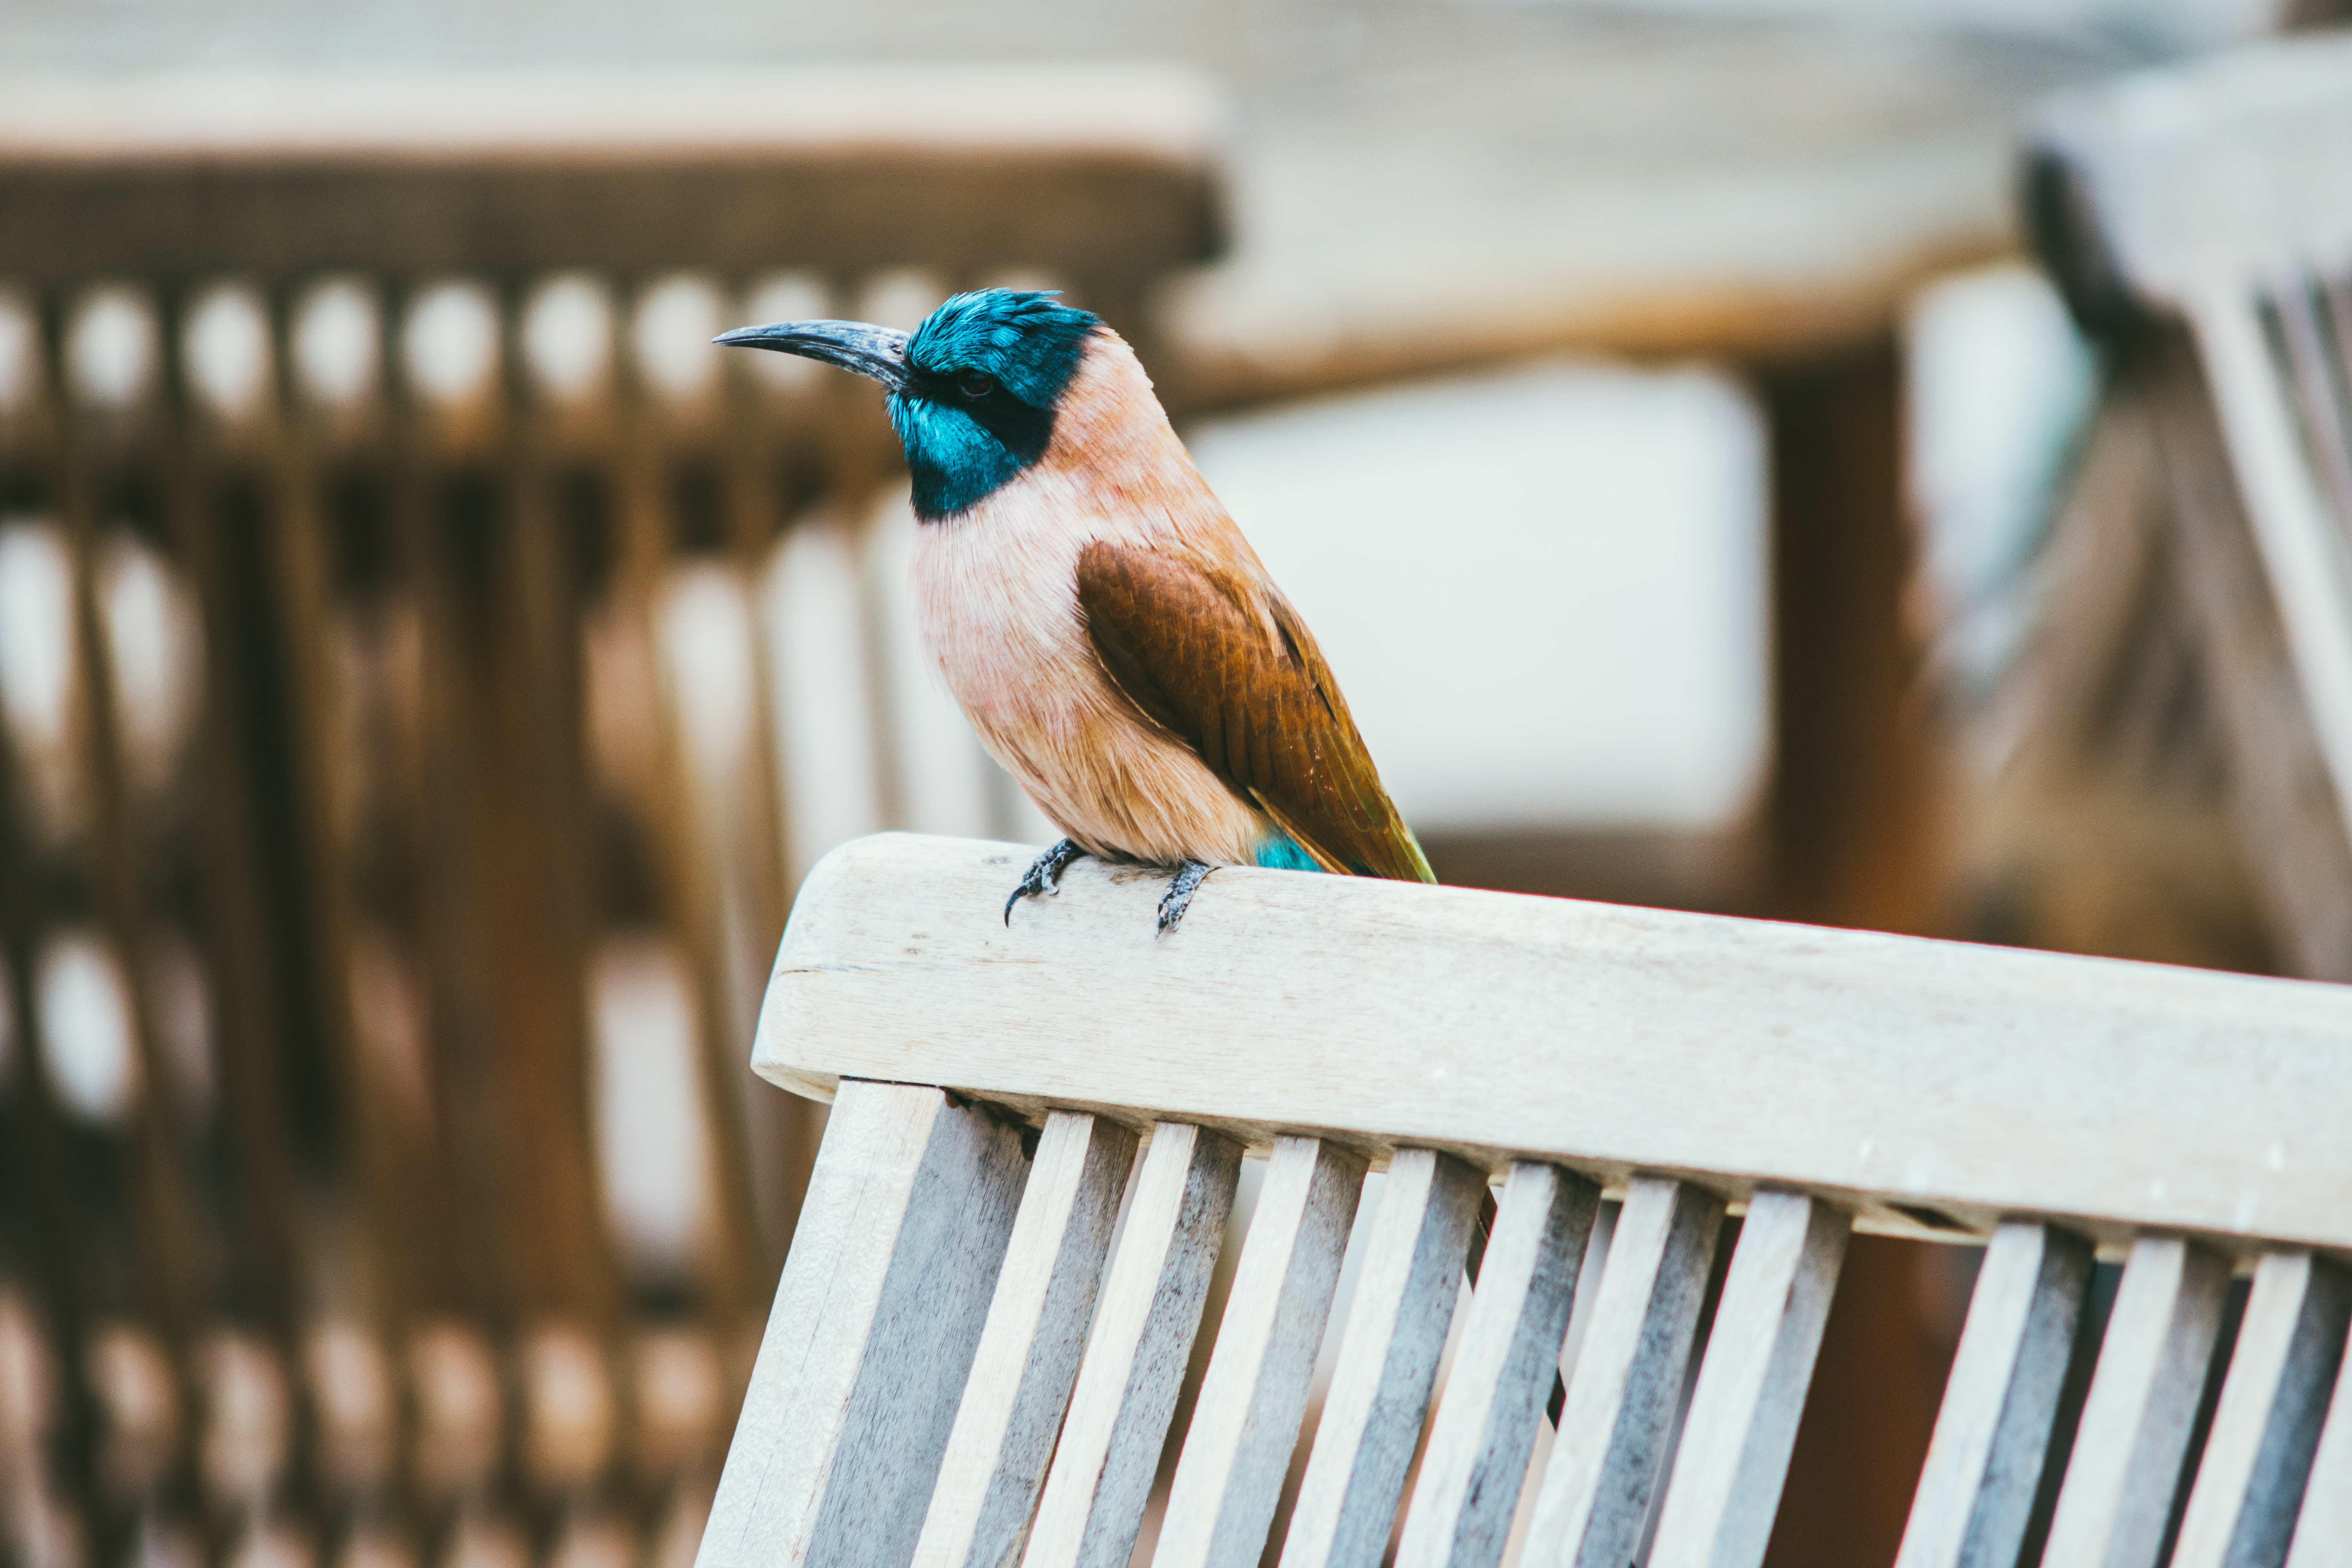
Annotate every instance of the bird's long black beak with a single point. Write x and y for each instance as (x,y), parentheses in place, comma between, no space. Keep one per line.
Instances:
(875,351)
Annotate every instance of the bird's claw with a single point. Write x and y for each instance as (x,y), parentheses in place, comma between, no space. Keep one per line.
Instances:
(1045,874)
(1178,896)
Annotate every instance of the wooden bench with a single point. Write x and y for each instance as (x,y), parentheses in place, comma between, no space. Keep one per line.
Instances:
(962,1369)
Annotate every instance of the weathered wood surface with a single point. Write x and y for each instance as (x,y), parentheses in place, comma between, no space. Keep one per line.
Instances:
(1751,1385)
(875,1326)
(2125,1463)
(1254,1395)
(1976,1081)
(1460,1516)
(1381,1385)
(1976,1493)
(1027,1361)
(1096,170)
(2250,1479)
(2323,1536)
(1134,1365)
(1611,1450)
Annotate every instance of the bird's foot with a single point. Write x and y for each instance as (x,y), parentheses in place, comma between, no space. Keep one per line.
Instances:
(1178,896)
(1045,874)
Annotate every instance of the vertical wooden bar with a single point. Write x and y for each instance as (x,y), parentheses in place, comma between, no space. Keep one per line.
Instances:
(1255,1394)
(2125,1465)
(1611,1448)
(168,1262)
(1751,1384)
(2287,516)
(539,700)
(1346,1504)
(2323,1536)
(196,451)
(2257,1459)
(1135,1358)
(480,1269)
(875,1324)
(2324,422)
(1849,793)
(1028,1357)
(1509,1357)
(1976,1494)
(319,712)
(54,1232)
(687,889)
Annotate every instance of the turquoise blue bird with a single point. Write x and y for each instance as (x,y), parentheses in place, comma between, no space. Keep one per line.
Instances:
(1111,635)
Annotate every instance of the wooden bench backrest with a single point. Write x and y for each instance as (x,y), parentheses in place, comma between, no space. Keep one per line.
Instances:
(959,1370)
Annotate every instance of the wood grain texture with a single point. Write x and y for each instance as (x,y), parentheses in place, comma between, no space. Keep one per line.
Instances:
(1743,1414)
(1842,1063)
(1611,1448)
(1380,1384)
(2250,1479)
(2126,1464)
(1028,1357)
(873,1333)
(1254,1395)
(1213,653)
(1134,1365)
(1460,1516)
(2323,1536)
(1976,1493)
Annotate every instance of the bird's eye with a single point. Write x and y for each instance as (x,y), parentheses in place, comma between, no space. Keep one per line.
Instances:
(975,384)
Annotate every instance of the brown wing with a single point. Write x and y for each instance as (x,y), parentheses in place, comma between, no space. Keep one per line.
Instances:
(1219,659)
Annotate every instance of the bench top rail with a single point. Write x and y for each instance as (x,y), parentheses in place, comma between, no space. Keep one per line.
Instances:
(1940,1087)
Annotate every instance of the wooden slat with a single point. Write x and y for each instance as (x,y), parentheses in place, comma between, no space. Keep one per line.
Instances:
(875,1323)
(2302,552)
(1502,1372)
(1811,1044)
(2251,1481)
(1611,1449)
(1396,1330)
(1751,1384)
(2325,425)
(1255,1394)
(2323,1536)
(1126,1395)
(1976,1493)
(2125,1463)
(1028,1357)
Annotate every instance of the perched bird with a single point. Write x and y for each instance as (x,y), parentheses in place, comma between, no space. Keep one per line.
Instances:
(1104,624)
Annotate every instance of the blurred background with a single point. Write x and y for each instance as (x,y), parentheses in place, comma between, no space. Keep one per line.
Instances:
(428,668)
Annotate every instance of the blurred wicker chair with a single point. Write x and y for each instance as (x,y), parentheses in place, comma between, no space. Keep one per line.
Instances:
(429,666)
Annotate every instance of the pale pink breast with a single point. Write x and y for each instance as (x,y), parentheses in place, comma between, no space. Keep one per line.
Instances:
(996,597)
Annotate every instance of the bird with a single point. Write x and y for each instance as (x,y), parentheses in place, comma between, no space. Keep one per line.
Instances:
(1096,612)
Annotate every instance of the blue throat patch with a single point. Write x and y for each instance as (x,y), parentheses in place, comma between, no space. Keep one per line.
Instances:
(988,369)
(1281,852)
